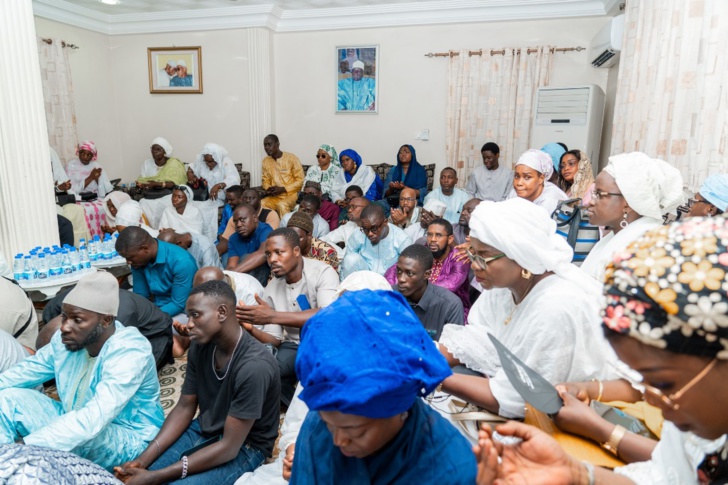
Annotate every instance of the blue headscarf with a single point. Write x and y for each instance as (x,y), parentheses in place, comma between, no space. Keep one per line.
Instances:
(367,354)
(555,151)
(715,190)
(354,156)
(416,177)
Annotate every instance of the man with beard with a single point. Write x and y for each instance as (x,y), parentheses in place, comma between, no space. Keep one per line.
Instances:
(447,271)
(252,198)
(462,230)
(434,305)
(106,378)
(338,237)
(377,246)
(407,213)
(282,177)
(448,194)
(301,286)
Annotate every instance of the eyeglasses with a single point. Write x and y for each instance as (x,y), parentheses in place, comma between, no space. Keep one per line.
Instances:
(355,206)
(480,260)
(693,201)
(596,195)
(671,400)
(407,199)
(321,155)
(373,229)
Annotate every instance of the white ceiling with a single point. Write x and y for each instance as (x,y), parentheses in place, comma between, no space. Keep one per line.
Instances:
(154,16)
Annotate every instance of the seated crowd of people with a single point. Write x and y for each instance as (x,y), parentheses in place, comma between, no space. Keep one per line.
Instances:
(365,310)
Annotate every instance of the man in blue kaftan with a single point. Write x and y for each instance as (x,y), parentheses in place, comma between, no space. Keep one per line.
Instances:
(106,378)
(376,247)
(357,93)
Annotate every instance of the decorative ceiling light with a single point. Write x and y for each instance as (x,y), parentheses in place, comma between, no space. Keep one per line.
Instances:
(110,2)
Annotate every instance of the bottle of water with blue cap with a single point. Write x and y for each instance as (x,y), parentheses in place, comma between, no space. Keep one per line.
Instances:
(42,268)
(18,267)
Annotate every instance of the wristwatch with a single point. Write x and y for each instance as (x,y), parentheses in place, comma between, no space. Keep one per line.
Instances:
(612,444)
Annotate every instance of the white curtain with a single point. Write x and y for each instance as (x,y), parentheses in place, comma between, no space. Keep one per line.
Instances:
(55,70)
(672,93)
(491,98)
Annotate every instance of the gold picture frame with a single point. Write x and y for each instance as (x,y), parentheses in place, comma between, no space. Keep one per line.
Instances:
(175,70)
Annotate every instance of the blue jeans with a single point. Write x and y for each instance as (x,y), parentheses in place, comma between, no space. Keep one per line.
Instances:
(248,459)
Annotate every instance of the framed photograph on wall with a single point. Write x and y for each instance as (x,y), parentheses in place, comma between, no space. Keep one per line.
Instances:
(175,70)
(357,79)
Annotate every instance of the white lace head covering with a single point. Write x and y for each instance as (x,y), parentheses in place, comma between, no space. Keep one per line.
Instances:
(650,186)
(129,214)
(162,142)
(539,161)
(217,152)
(527,235)
(363,280)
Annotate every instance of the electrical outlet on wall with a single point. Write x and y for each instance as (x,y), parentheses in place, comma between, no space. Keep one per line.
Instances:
(423,135)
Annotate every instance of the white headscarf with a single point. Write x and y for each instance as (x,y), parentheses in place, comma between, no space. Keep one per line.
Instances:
(527,235)
(129,214)
(217,152)
(162,142)
(363,280)
(188,192)
(539,161)
(117,198)
(650,186)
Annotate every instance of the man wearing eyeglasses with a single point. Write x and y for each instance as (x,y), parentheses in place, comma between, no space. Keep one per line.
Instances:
(407,213)
(712,199)
(377,246)
(339,237)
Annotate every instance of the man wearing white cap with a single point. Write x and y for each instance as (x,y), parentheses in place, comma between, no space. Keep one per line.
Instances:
(166,74)
(182,78)
(357,93)
(106,378)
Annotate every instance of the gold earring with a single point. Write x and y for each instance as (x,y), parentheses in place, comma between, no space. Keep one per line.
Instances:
(525,274)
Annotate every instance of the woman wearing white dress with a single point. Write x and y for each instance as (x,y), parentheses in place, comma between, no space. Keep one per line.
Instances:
(531,180)
(214,165)
(183,216)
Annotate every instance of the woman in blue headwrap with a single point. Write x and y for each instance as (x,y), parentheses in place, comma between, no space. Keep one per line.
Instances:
(354,173)
(364,363)
(407,173)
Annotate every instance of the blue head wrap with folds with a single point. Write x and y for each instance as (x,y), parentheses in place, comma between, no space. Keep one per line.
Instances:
(351,154)
(367,354)
(715,190)
(555,151)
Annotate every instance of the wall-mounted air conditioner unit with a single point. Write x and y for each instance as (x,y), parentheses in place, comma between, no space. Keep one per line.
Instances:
(605,47)
(570,115)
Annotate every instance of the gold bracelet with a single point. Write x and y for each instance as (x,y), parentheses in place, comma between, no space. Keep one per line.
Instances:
(601,389)
(612,444)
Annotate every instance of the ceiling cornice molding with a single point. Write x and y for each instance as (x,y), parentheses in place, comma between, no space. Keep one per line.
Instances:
(279,20)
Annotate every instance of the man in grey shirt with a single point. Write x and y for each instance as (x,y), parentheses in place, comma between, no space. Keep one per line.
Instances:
(200,247)
(434,305)
(490,181)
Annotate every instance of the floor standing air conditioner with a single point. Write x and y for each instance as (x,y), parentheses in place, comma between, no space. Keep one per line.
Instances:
(570,115)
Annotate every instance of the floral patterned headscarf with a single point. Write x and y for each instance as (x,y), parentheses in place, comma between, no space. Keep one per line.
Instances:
(669,289)
(332,153)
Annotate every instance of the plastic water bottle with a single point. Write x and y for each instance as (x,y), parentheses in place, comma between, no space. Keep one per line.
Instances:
(113,239)
(54,265)
(18,267)
(93,253)
(28,269)
(42,268)
(66,267)
(83,262)
(75,259)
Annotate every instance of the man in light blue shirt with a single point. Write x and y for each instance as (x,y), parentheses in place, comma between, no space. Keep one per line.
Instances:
(106,377)
(450,195)
(357,93)
(161,271)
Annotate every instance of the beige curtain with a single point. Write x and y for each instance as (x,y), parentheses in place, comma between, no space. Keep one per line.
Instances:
(491,98)
(672,93)
(55,70)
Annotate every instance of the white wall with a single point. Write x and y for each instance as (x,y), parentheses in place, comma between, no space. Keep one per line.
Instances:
(115,109)
(413,88)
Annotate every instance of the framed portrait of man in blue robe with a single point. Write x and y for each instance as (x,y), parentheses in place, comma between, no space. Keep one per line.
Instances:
(357,79)
(175,70)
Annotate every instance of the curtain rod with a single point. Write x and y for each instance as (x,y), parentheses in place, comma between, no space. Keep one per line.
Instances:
(63,43)
(501,52)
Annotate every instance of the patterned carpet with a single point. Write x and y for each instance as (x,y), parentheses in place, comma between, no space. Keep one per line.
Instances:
(171,377)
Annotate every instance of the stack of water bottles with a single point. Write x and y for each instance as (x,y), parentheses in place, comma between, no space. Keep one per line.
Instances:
(102,252)
(50,265)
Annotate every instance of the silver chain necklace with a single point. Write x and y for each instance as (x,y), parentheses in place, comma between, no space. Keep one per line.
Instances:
(229,361)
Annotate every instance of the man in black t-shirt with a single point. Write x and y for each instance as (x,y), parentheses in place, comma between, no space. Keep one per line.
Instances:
(234,379)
